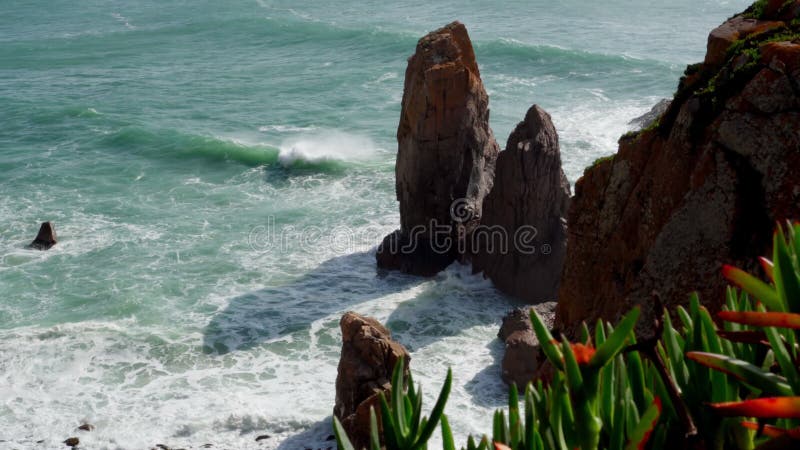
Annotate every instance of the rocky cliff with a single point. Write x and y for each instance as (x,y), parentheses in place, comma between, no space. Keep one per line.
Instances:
(446,154)
(702,186)
(521,243)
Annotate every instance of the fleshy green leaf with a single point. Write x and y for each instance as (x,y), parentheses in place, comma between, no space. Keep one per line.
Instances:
(616,340)
(762,319)
(447,435)
(374,434)
(763,408)
(753,286)
(398,405)
(514,424)
(583,337)
(766,430)
(574,378)
(342,441)
(436,413)
(389,427)
(787,281)
(769,268)
(546,341)
(765,381)
(644,429)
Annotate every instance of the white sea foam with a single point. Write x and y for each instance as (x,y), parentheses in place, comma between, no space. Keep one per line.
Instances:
(326,146)
(281,128)
(123,20)
(593,128)
(124,377)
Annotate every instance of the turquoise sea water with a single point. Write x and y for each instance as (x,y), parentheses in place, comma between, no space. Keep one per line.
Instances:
(219,173)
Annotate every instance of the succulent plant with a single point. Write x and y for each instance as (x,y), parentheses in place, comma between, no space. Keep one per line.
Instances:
(694,383)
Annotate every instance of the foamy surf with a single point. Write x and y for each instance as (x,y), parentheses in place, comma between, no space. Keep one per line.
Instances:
(157,166)
(326,147)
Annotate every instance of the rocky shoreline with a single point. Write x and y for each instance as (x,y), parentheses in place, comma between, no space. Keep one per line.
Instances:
(699,185)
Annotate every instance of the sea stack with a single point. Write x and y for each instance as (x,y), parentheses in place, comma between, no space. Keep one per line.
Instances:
(446,155)
(702,187)
(521,243)
(368,358)
(46,237)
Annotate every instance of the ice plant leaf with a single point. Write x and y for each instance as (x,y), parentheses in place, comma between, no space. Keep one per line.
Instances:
(768,267)
(644,429)
(389,427)
(374,434)
(549,346)
(766,381)
(398,404)
(342,441)
(787,281)
(753,286)
(768,430)
(574,377)
(447,435)
(499,446)
(436,412)
(764,408)
(762,319)
(616,340)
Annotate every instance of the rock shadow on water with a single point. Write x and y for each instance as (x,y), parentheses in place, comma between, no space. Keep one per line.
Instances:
(316,436)
(486,388)
(456,300)
(275,312)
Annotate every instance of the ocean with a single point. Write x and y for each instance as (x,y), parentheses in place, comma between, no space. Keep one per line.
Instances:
(219,174)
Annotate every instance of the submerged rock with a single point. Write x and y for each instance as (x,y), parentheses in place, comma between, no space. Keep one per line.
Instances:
(521,242)
(446,154)
(46,237)
(86,427)
(703,189)
(368,358)
(72,442)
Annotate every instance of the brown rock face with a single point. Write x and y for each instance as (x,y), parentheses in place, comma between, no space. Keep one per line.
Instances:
(523,359)
(46,237)
(703,189)
(729,32)
(368,359)
(446,154)
(782,9)
(521,243)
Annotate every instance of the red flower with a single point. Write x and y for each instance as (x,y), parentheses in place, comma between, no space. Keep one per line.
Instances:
(583,353)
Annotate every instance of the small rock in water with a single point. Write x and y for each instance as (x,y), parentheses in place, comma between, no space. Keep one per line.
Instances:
(46,237)
(72,442)
(262,437)
(330,437)
(86,427)
(206,446)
